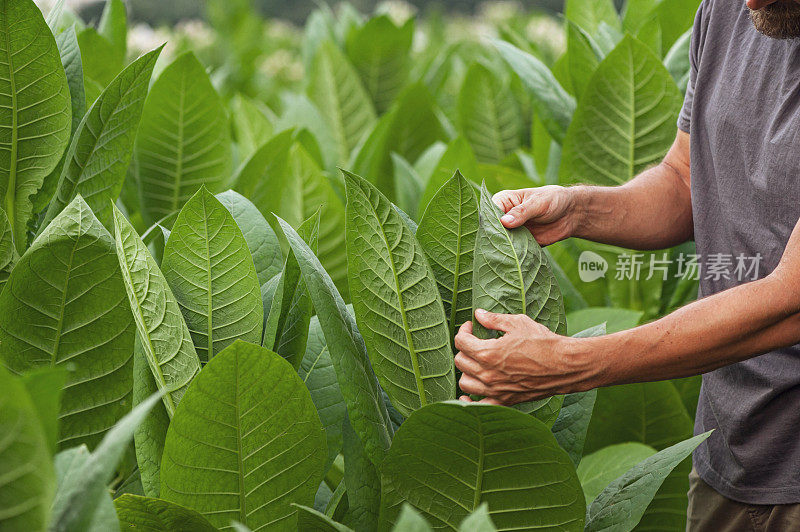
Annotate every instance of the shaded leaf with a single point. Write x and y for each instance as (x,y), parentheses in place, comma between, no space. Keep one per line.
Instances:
(28,479)
(98,156)
(45,387)
(622,504)
(82,487)
(449,458)
(184,139)
(357,382)
(396,302)
(310,520)
(260,237)
(621,128)
(34,111)
(65,306)
(488,115)
(210,270)
(158,515)
(318,373)
(245,442)
(447,236)
(335,88)
(166,342)
(553,105)
(380,52)
(599,469)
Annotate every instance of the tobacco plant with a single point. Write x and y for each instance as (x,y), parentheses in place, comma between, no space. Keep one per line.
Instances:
(204,325)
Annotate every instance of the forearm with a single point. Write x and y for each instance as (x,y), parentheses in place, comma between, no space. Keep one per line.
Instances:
(722,329)
(653,211)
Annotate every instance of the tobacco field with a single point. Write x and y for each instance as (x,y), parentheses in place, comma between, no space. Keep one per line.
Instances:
(232,268)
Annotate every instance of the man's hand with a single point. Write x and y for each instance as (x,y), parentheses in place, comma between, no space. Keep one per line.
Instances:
(528,362)
(548,212)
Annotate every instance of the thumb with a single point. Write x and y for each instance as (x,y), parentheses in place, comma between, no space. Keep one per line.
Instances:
(521,213)
(494,321)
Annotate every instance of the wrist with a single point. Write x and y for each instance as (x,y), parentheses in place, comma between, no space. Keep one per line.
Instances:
(587,363)
(578,201)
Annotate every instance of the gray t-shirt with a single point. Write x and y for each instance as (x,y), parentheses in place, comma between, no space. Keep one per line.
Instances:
(742,110)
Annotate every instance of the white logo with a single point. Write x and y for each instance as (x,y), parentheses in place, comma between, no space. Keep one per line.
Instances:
(591,266)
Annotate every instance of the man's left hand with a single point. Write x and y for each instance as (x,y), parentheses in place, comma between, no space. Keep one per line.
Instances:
(528,362)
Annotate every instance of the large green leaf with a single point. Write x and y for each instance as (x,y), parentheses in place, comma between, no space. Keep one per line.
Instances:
(65,305)
(34,110)
(67,42)
(458,156)
(572,423)
(98,156)
(654,415)
(511,273)
(447,236)
(623,503)
(449,458)
(488,115)
(599,469)
(317,371)
(113,26)
(582,58)
(253,124)
(625,121)
(166,341)
(286,325)
(380,52)
(358,384)
(396,301)
(149,436)
(334,86)
(102,517)
(254,177)
(8,253)
(28,481)
(158,515)
(553,105)
(310,520)
(408,129)
(210,270)
(589,14)
(184,140)
(261,239)
(245,442)
(82,485)
(362,482)
(45,387)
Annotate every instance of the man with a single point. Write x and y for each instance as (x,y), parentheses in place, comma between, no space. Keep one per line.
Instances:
(741,124)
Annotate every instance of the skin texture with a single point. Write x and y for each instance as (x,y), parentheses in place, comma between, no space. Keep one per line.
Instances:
(652,211)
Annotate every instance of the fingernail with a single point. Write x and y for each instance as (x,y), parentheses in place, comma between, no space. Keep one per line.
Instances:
(507,218)
(479,312)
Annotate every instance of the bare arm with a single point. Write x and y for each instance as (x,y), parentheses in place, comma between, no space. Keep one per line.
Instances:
(530,362)
(652,211)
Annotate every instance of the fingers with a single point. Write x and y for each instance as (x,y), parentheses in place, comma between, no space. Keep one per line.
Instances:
(532,207)
(497,322)
(466,342)
(465,364)
(471,385)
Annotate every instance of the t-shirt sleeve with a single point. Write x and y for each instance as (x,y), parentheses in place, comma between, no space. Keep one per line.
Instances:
(698,31)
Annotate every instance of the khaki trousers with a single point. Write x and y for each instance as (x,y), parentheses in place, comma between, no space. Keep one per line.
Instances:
(711,512)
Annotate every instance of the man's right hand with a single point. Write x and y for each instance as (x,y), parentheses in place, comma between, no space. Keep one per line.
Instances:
(548,212)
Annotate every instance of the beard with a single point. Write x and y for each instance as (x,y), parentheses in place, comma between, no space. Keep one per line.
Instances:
(780,20)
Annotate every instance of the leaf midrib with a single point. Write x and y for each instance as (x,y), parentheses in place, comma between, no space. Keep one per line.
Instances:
(12,175)
(457,267)
(60,325)
(411,350)
(506,234)
(169,403)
